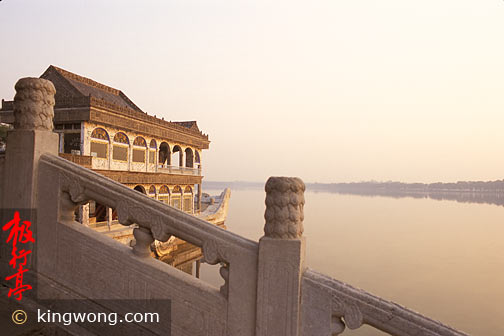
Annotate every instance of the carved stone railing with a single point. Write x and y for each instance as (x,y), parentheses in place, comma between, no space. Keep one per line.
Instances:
(179,170)
(160,220)
(329,305)
(236,255)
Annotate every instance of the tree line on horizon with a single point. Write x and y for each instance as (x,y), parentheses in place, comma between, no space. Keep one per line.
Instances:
(387,187)
(461,186)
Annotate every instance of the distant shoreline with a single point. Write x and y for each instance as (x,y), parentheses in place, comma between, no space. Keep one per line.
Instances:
(396,187)
(463,192)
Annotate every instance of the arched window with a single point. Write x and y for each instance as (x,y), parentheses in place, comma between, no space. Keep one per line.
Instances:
(178,156)
(121,147)
(139,148)
(197,157)
(152,191)
(176,199)
(152,151)
(188,199)
(189,158)
(164,194)
(164,154)
(99,143)
(141,189)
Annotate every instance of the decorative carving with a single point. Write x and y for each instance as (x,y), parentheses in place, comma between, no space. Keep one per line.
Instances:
(284,207)
(34,104)
(100,133)
(355,307)
(67,208)
(164,190)
(159,230)
(156,127)
(75,188)
(123,214)
(349,311)
(213,253)
(128,212)
(139,141)
(152,144)
(120,137)
(152,191)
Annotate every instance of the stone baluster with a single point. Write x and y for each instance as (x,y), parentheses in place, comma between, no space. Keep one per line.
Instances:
(281,259)
(143,241)
(84,214)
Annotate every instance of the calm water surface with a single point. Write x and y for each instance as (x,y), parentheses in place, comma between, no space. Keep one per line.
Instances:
(441,258)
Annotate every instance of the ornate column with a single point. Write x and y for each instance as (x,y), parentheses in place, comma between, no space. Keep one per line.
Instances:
(147,154)
(82,137)
(199,197)
(156,158)
(110,152)
(31,137)
(61,142)
(281,259)
(130,154)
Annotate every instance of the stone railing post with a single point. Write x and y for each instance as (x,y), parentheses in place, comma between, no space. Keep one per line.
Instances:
(281,259)
(31,137)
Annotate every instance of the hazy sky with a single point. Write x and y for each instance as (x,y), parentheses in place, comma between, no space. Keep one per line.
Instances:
(330,91)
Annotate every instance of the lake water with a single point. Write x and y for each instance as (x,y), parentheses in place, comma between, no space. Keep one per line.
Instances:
(443,259)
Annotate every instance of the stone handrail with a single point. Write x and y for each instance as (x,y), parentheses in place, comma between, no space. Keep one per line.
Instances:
(179,170)
(158,218)
(343,305)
